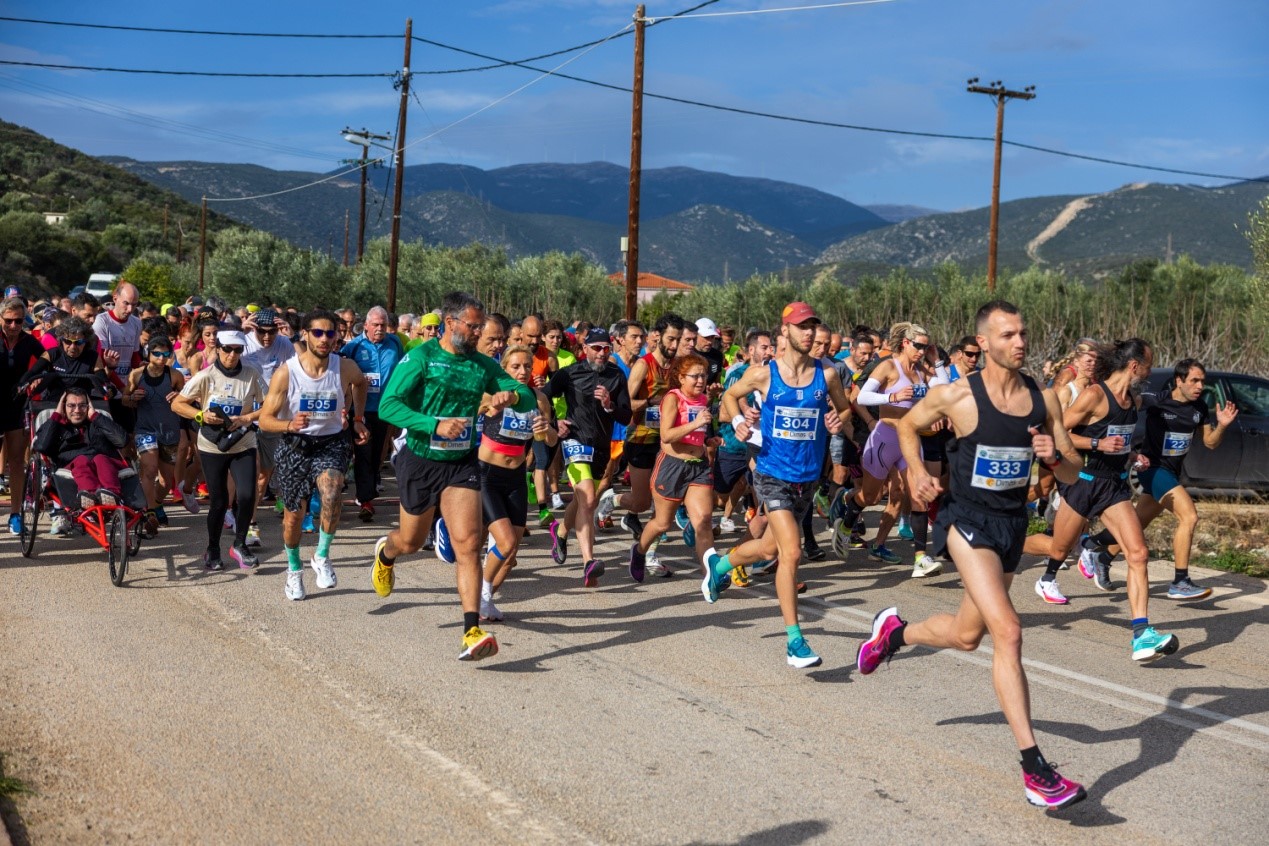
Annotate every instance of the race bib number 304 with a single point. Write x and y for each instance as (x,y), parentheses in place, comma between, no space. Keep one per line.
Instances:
(795,424)
(1001,468)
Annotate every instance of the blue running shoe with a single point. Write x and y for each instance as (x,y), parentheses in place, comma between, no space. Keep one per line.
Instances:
(680,518)
(905,530)
(880,553)
(837,508)
(1150,645)
(444,549)
(307,526)
(15,524)
(801,655)
(712,583)
(1186,589)
(689,536)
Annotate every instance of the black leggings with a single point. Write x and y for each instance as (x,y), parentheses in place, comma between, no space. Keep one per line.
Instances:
(217,467)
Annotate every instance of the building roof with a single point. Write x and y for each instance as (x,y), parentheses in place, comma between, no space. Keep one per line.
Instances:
(654,282)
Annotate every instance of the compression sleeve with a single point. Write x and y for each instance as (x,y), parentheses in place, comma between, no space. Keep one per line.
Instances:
(870,394)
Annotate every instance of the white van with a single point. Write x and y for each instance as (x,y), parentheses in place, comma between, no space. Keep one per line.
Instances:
(101,285)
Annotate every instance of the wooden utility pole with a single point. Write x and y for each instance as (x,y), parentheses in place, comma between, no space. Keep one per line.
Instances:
(180,234)
(997,90)
(364,139)
(395,245)
(165,205)
(636,171)
(345,237)
(202,245)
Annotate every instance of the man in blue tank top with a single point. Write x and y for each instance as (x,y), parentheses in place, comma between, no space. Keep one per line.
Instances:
(802,403)
(1001,421)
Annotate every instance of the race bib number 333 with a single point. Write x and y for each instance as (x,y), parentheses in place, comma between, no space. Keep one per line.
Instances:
(1001,468)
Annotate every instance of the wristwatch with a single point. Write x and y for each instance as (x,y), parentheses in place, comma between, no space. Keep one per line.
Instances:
(1057,459)
(1095,443)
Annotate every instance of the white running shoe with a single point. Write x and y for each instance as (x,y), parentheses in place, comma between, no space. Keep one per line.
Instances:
(325,572)
(489,611)
(231,525)
(188,499)
(926,565)
(652,565)
(1049,592)
(295,585)
(557,502)
(60,525)
(607,502)
(726,525)
(253,536)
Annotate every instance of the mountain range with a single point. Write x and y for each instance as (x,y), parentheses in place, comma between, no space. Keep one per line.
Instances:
(701,226)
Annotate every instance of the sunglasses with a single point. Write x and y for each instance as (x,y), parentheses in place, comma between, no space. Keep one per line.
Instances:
(233,350)
(920,347)
(323,333)
(260,330)
(161,353)
(974,354)
(600,348)
(14,321)
(74,342)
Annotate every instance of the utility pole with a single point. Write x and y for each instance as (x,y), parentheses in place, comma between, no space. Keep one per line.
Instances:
(636,170)
(202,245)
(345,237)
(165,205)
(394,247)
(180,233)
(364,139)
(997,89)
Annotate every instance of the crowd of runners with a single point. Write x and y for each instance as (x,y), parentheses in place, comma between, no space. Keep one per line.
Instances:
(714,451)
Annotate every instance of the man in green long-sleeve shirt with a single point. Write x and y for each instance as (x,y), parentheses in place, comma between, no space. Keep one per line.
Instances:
(435,395)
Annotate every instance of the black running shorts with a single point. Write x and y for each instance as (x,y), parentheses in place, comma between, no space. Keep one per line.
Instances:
(642,456)
(1002,534)
(673,476)
(420,481)
(1092,495)
(504,494)
(300,460)
(778,495)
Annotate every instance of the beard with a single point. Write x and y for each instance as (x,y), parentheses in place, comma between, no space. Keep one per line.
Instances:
(462,346)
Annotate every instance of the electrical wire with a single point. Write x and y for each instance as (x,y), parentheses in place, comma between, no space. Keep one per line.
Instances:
(197,73)
(686,16)
(192,31)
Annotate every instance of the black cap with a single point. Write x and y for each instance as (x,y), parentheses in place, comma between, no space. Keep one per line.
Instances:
(266,317)
(597,336)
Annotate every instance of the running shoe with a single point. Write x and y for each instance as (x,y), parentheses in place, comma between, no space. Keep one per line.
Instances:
(680,518)
(926,565)
(740,577)
(559,543)
(689,534)
(726,525)
(841,538)
(1047,789)
(557,502)
(591,572)
(429,542)
(382,575)
(712,583)
(607,502)
(231,524)
(15,524)
(188,499)
(161,515)
(1050,592)
(253,536)
(857,540)
(367,512)
(489,611)
(1186,589)
(638,563)
(1150,645)
(654,567)
(544,517)
(60,525)
(246,560)
(821,503)
(837,508)
(801,655)
(1088,563)
(477,644)
(605,523)
(211,561)
(813,551)
(279,507)
(1102,577)
(905,530)
(294,589)
(876,649)
(307,526)
(632,524)
(879,552)
(325,572)
(444,549)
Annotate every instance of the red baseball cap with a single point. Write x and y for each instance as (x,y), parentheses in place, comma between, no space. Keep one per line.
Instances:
(799,312)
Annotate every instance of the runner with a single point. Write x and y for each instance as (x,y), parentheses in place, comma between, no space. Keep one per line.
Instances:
(21,351)
(375,352)
(1001,419)
(802,402)
(152,388)
(306,405)
(594,393)
(119,331)
(267,349)
(1170,427)
(434,395)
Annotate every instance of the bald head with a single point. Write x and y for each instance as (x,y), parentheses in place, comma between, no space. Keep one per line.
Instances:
(126,296)
(531,332)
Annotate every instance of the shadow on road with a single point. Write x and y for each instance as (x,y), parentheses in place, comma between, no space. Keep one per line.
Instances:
(787,834)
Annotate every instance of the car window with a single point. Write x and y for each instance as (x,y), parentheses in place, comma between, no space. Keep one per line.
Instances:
(1250,395)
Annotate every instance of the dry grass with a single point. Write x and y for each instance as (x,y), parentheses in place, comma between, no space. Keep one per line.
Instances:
(1231,535)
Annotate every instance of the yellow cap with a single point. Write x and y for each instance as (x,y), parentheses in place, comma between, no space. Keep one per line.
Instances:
(252,308)
(430,319)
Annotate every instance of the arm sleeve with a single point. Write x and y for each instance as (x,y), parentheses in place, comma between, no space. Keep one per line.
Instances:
(407,378)
(870,395)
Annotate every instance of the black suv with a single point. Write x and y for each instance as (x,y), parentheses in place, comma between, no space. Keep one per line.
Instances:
(1241,463)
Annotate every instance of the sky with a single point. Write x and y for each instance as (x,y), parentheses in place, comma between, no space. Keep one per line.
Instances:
(1166,83)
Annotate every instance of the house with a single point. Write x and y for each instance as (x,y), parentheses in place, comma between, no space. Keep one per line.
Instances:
(650,285)
(54,218)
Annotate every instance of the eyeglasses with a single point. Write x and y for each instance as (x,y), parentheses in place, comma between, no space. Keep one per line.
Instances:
(234,350)
(693,375)
(475,327)
(74,342)
(599,348)
(323,333)
(76,406)
(974,354)
(14,321)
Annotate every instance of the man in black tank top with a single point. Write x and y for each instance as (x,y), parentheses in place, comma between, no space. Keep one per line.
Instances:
(1001,420)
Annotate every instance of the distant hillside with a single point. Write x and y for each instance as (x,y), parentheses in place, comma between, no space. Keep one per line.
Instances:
(1099,231)
(898,214)
(763,224)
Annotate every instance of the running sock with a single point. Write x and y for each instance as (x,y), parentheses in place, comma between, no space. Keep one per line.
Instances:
(723,565)
(1139,625)
(323,543)
(794,632)
(1103,538)
(1051,569)
(293,562)
(1032,760)
(904,522)
(1181,575)
(920,523)
(486,589)
(896,637)
(471,619)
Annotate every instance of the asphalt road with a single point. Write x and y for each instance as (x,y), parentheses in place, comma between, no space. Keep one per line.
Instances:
(196,707)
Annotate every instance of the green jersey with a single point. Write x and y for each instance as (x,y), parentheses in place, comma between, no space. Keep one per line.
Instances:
(430,385)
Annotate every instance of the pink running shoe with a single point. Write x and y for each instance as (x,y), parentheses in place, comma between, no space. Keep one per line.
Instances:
(876,649)
(1047,789)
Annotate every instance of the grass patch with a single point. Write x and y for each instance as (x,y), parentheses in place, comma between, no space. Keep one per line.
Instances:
(10,786)
(1236,561)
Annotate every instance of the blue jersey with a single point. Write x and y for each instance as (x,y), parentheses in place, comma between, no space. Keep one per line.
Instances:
(618,430)
(793,432)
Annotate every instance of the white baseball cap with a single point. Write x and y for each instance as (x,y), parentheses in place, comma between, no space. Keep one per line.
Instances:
(231,338)
(706,328)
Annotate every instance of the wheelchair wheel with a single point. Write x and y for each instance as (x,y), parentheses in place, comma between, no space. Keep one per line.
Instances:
(117,543)
(134,536)
(32,498)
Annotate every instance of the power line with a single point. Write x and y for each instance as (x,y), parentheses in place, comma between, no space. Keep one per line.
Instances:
(198,73)
(193,31)
(685,15)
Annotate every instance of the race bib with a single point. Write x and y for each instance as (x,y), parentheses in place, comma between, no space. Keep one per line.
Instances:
(1177,443)
(374,383)
(122,368)
(457,444)
(576,452)
(652,417)
(1125,432)
(1001,468)
(919,391)
(795,424)
(147,443)
(517,425)
(232,406)
(321,405)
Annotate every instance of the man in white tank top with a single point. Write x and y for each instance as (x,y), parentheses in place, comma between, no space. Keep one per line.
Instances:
(306,406)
